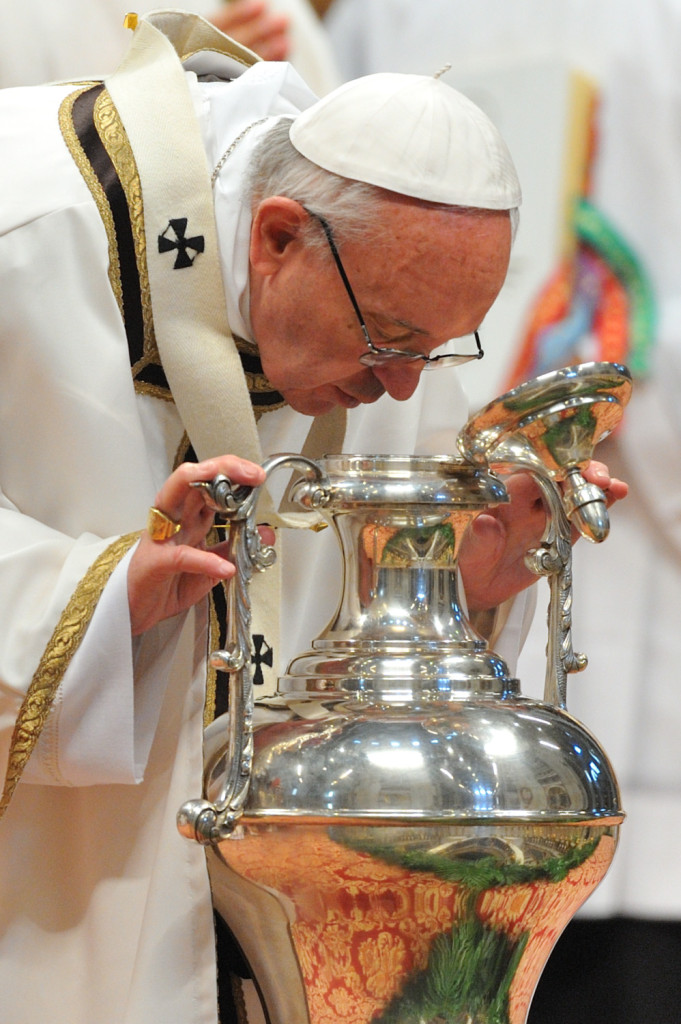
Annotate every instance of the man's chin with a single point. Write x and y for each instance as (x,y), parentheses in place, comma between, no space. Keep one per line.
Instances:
(316,403)
(308,403)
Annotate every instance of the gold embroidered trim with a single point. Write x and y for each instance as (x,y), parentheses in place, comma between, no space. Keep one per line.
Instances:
(92,181)
(239,998)
(256,381)
(63,644)
(228,51)
(117,145)
(154,390)
(182,451)
(116,142)
(215,641)
(211,673)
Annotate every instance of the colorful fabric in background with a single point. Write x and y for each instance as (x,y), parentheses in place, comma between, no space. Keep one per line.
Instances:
(598,305)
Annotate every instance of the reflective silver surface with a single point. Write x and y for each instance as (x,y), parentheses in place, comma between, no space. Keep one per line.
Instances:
(399,625)
(437,924)
(399,742)
(563,414)
(464,760)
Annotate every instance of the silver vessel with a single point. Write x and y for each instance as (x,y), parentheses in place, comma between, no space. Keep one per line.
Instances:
(399,836)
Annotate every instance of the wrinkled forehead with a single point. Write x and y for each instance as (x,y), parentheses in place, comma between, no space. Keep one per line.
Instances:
(437,270)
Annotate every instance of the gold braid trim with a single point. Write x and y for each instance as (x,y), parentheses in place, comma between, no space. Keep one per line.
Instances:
(63,644)
(264,398)
(182,453)
(92,181)
(216,536)
(116,142)
(237,986)
(117,145)
(211,673)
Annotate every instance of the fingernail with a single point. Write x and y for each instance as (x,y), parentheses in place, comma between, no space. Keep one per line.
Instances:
(226,573)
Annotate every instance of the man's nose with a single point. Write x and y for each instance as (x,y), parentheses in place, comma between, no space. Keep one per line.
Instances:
(400,379)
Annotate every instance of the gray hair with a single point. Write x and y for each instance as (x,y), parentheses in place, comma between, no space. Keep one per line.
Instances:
(353,208)
(278,169)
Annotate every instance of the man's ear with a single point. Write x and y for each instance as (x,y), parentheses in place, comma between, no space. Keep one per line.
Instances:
(275,233)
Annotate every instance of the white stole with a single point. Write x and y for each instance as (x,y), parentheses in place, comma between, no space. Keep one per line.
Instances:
(194,340)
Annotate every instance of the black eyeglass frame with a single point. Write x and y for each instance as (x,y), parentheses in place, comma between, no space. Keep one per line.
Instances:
(379,356)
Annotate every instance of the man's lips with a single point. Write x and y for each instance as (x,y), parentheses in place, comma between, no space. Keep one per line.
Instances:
(347,401)
(350,401)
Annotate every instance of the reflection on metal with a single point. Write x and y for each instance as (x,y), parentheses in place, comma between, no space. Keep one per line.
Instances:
(399,836)
(404,924)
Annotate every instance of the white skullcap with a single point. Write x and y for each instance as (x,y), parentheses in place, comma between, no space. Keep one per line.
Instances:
(410,134)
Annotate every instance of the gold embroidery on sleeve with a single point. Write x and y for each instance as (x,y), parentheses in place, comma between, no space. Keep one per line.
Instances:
(63,644)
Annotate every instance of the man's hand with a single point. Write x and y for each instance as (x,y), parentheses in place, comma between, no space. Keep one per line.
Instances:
(252,24)
(168,577)
(492,558)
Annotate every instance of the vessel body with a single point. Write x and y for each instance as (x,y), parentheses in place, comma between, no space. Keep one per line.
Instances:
(417,833)
(399,836)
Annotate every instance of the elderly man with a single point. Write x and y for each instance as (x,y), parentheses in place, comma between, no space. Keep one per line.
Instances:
(196,259)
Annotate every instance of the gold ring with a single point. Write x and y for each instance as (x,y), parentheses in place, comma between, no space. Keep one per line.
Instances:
(160,526)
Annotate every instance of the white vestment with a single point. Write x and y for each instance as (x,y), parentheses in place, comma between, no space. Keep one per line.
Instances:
(105,912)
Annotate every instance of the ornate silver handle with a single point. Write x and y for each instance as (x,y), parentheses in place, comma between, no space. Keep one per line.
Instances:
(584,504)
(553,558)
(199,819)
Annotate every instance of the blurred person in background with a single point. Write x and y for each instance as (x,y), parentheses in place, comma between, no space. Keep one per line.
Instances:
(46,42)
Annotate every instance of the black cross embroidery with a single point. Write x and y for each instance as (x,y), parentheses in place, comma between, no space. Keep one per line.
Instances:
(262,656)
(181,243)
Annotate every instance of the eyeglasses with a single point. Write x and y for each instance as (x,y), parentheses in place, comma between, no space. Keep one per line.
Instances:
(382,356)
